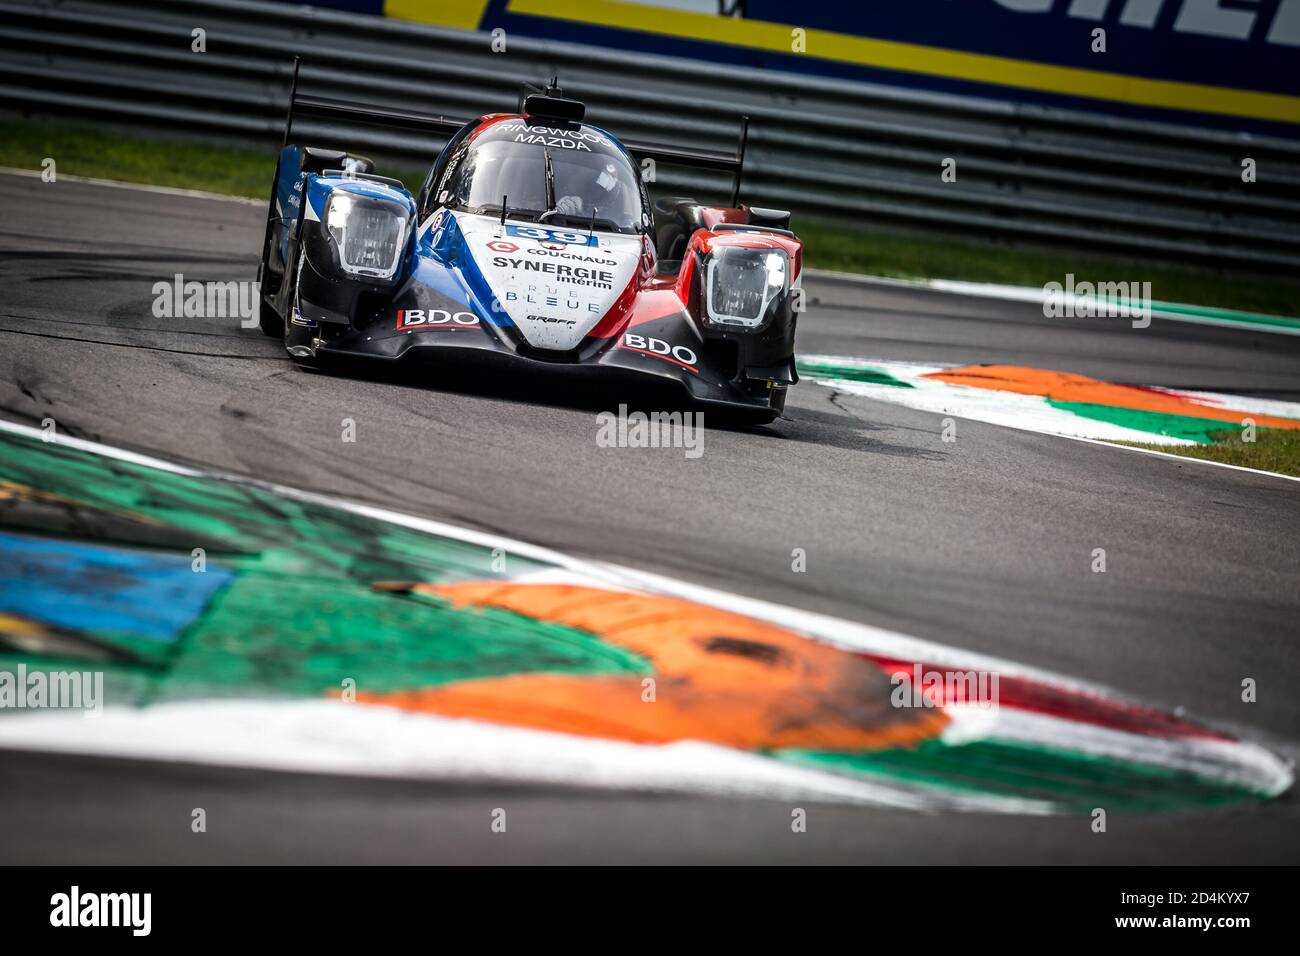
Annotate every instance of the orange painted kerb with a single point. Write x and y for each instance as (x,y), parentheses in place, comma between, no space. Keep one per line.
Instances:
(718,677)
(1065,387)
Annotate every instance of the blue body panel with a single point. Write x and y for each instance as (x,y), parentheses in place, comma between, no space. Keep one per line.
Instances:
(288,192)
(443,262)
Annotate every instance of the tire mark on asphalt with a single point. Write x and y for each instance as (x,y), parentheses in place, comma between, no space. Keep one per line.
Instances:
(132,328)
(147,348)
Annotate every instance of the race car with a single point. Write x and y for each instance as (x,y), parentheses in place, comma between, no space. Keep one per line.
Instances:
(531,241)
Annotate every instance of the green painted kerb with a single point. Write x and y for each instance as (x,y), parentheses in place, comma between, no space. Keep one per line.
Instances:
(1203,431)
(1232,316)
(852,373)
(301,613)
(1075,781)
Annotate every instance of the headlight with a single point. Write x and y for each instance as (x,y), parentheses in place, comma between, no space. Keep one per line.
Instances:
(369,233)
(742,282)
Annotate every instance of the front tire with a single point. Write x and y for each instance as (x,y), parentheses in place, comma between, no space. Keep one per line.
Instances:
(270,323)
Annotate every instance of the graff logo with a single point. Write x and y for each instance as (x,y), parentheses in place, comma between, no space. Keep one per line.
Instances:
(410,320)
(678,354)
(500,245)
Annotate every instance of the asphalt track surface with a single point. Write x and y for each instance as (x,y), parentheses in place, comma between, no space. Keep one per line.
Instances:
(984,543)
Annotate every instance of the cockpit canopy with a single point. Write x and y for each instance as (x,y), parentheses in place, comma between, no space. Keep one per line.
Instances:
(573,176)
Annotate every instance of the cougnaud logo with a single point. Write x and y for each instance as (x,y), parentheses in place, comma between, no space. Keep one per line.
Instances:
(77,909)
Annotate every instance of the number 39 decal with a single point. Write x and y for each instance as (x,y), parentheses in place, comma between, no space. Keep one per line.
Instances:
(543,234)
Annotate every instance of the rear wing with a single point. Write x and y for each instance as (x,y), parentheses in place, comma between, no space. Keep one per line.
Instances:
(329,108)
(699,158)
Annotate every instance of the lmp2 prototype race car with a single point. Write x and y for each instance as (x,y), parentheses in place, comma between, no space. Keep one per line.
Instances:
(531,240)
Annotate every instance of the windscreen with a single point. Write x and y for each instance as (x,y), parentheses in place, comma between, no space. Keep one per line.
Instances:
(587,180)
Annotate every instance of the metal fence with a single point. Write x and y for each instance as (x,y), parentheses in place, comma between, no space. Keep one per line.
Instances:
(824,147)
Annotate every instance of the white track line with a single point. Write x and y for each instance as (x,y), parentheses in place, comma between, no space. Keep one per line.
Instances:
(1165,454)
(1030,294)
(332,737)
(141,187)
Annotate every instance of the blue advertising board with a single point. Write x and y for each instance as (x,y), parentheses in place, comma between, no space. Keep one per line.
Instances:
(1226,63)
